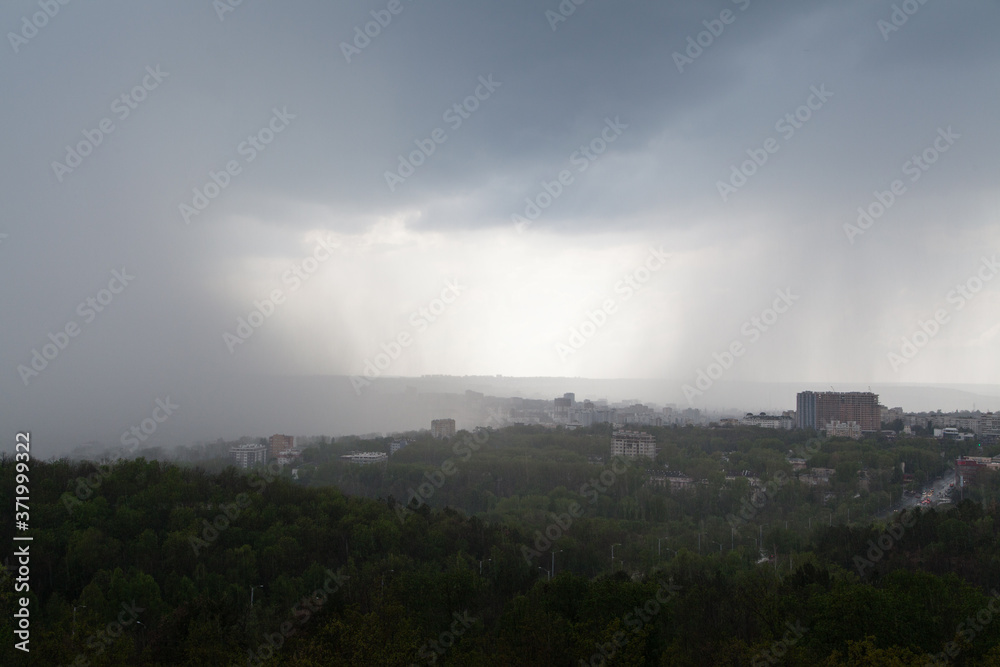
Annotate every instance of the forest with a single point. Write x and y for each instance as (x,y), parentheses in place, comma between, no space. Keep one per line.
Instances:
(524,546)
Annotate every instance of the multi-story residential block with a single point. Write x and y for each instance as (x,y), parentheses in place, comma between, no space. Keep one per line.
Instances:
(767,421)
(278,444)
(989,424)
(248,455)
(366,458)
(633,444)
(837,429)
(443,428)
(817,409)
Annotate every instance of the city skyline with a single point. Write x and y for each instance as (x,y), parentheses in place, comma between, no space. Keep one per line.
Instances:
(702,194)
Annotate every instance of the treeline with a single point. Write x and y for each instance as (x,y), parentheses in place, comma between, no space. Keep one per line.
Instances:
(520,476)
(160,564)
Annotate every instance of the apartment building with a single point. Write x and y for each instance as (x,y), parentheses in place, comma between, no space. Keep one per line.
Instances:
(633,445)
(443,428)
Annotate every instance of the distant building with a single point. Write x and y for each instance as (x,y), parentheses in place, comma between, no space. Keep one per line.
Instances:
(767,421)
(673,480)
(967,467)
(397,445)
(816,409)
(989,424)
(637,414)
(366,458)
(248,455)
(633,444)
(278,444)
(889,415)
(561,407)
(288,456)
(443,428)
(817,476)
(836,429)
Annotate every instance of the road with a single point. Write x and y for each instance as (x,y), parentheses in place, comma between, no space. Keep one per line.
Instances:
(939,487)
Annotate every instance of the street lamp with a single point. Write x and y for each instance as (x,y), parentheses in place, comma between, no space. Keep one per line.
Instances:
(616,544)
(81,606)
(545,571)
(488,560)
(658,540)
(382,590)
(251,592)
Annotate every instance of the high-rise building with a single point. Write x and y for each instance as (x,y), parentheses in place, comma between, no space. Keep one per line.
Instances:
(817,409)
(443,428)
(805,409)
(279,443)
(248,455)
(633,444)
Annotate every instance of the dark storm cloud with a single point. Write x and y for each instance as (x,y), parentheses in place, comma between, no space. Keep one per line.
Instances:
(207,122)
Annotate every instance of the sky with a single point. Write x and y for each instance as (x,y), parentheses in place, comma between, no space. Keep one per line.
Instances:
(201,197)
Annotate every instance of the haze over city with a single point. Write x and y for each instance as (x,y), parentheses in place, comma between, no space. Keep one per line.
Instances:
(579,210)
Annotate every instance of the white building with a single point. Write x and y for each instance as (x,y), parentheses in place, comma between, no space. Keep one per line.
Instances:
(366,458)
(248,455)
(989,424)
(843,430)
(633,444)
(768,421)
